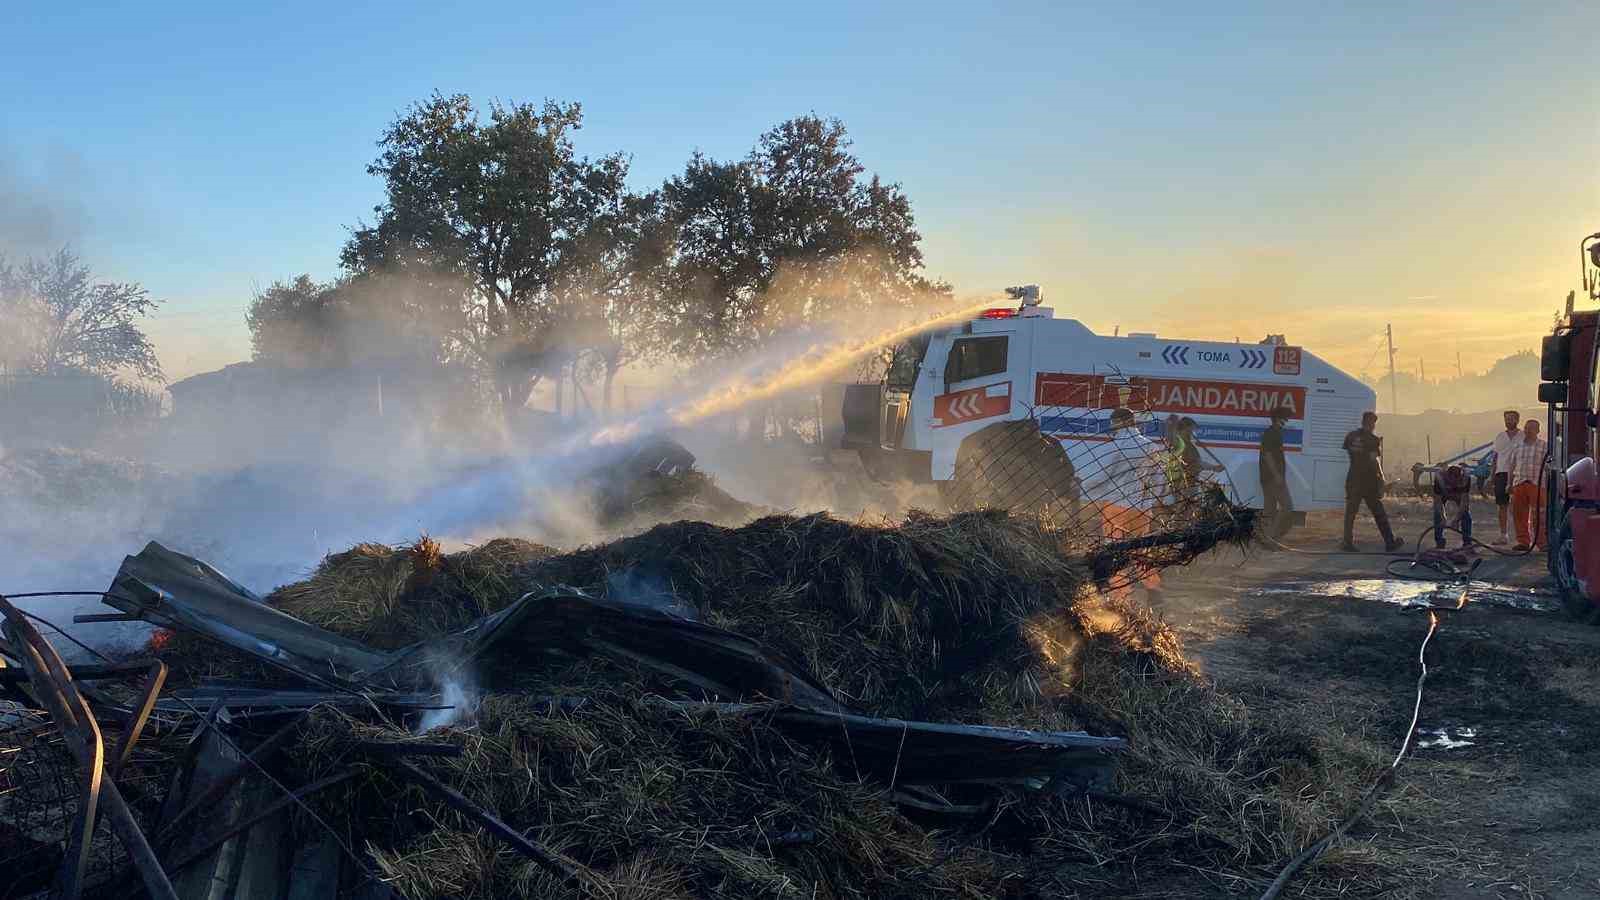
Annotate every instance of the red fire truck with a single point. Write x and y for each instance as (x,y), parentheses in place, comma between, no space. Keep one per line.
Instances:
(1567,368)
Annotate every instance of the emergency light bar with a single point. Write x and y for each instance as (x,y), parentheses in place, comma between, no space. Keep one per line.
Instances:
(998,313)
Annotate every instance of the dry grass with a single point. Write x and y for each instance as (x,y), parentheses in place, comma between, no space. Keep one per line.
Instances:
(389,596)
(974,617)
(647,800)
(1578,681)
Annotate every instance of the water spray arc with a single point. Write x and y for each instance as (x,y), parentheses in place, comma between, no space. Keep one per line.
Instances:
(761,382)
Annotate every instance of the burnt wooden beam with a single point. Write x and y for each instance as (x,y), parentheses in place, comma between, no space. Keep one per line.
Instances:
(219,788)
(141,715)
(206,844)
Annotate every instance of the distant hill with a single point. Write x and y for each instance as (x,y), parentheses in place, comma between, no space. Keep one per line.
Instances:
(1511,383)
(1406,439)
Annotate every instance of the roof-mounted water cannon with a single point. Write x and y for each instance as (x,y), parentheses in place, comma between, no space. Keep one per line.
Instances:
(1028,294)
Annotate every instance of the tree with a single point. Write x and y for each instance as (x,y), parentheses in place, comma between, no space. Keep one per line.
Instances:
(619,290)
(356,319)
(792,235)
(57,320)
(505,208)
(291,323)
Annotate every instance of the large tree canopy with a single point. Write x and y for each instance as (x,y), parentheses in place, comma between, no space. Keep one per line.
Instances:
(793,234)
(506,207)
(536,261)
(55,318)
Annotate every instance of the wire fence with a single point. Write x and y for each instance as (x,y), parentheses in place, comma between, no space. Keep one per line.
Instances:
(1106,473)
(41,794)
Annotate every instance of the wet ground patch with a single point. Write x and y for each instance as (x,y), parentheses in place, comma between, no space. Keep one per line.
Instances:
(1491,688)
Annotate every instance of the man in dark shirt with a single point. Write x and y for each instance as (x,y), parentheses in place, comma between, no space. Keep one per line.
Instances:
(1364,482)
(1452,488)
(1277,507)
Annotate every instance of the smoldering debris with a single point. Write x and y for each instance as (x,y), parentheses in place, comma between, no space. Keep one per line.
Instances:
(800,706)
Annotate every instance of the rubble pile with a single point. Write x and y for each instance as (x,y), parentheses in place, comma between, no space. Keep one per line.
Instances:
(798,707)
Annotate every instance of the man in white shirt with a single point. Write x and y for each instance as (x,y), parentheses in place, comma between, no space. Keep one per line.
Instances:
(1126,479)
(1503,442)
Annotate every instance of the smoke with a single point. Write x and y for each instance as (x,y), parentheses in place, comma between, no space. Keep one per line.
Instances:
(42,209)
(262,471)
(459,697)
(55,198)
(639,586)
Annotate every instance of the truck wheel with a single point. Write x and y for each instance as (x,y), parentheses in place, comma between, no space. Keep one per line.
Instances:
(1012,466)
(1573,597)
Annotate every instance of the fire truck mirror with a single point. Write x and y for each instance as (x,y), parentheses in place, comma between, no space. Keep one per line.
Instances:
(1554,356)
(1553,392)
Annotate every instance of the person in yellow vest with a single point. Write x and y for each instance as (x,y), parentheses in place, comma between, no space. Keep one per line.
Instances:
(1192,466)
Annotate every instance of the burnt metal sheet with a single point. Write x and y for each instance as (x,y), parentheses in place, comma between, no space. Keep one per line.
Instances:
(167,588)
(908,752)
(236,699)
(911,752)
(721,662)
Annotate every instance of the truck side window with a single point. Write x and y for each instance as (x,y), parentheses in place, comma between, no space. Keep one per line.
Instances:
(975,358)
(905,364)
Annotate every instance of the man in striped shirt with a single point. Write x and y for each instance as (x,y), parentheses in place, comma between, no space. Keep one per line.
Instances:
(1525,468)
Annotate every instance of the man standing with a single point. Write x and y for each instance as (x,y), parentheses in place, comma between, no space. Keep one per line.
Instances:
(1525,473)
(1364,482)
(1127,480)
(1191,466)
(1503,442)
(1276,505)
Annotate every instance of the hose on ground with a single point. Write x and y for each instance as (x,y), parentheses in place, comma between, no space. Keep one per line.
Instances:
(1371,796)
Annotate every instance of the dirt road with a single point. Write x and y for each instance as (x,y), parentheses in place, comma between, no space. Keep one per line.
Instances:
(1502,798)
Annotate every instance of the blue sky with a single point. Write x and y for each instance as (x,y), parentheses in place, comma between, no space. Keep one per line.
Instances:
(1283,167)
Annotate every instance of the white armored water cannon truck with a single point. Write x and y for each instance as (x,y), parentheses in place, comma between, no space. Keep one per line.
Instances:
(948,392)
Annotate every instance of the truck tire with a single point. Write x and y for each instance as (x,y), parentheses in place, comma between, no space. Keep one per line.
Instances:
(1012,466)
(1577,603)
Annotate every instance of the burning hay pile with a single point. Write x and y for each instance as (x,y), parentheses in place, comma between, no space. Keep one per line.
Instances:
(799,707)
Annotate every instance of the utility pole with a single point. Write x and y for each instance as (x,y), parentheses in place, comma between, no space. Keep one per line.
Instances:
(1458,365)
(1394,395)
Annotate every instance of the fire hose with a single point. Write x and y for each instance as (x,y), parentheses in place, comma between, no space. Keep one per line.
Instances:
(1371,796)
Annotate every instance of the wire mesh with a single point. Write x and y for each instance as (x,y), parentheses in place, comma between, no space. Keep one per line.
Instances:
(41,792)
(1109,475)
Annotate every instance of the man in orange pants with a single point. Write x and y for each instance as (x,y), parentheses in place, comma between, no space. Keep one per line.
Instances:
(1525,473)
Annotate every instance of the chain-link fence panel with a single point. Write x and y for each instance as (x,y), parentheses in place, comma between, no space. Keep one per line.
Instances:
(1119,483)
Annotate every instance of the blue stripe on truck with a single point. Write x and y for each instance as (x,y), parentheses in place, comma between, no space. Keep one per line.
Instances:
(1207,432)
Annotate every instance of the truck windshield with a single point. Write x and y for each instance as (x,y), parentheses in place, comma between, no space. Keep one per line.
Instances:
(903,366)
